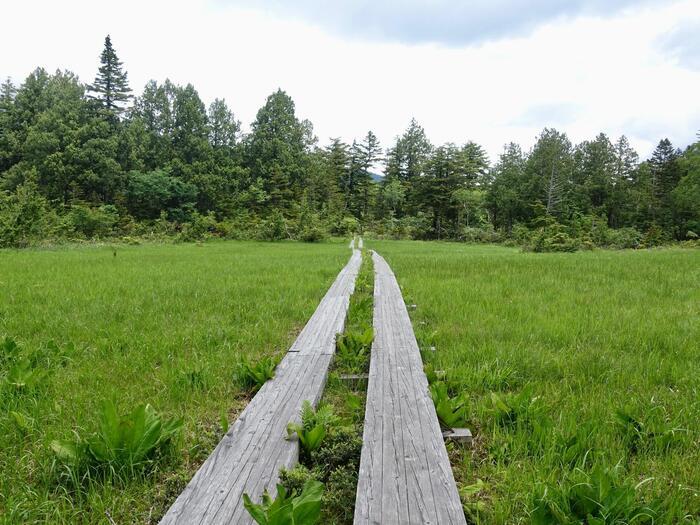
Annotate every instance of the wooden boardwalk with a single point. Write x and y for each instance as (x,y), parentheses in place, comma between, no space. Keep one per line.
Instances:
(249,457)
(405,474)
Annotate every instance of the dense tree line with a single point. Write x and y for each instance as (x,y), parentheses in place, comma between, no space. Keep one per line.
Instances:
(92,160)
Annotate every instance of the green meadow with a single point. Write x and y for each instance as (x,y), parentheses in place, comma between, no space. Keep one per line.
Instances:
(577,373)
(156,324)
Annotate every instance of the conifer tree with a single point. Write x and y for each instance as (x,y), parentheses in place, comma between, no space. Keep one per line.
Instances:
(111,87)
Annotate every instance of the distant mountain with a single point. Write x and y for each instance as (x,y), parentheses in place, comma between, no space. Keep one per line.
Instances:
(376,177)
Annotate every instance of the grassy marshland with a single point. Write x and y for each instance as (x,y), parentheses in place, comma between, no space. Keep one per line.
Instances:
(580,373)
(157,324)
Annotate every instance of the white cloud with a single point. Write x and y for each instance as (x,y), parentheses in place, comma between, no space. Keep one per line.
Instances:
(604,74)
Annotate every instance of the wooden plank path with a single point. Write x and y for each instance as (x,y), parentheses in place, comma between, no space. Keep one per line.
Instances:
(249,457)
(405,474)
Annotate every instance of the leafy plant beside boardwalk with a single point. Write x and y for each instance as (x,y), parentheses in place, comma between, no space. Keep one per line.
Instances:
(123,446)
(253,375)
(303,508)
(333,439)
(158,325)
(577,372)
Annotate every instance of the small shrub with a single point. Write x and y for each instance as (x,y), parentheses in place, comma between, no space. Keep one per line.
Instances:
(335,463)
(199,228)
(479,235)
(654,236)
(312,234)
(345,226)
(288,509)
(294,479)
(122,447)
(339,497)
(274,228)
(557,242)
(25,216)
(85,221)
(342,447)
(253,376)
(624,238)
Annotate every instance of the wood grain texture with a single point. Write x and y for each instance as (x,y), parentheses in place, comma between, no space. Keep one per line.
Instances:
(405,475)
(249,457)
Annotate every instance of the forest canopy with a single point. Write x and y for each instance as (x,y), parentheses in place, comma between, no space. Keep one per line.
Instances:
(94,160)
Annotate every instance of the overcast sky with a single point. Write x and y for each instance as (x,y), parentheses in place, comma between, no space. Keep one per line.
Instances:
(491,71)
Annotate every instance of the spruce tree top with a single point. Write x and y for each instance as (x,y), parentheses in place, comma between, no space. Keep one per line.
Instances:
(111,85)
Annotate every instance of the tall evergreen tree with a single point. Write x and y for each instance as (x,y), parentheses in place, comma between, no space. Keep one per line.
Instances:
(505,197)
(549,169)
(475,164)
(277,148)
(7,142)
(223,127)
(625,165)
(111,87)
(665,173)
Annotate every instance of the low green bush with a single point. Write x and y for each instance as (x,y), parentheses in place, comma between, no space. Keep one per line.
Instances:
(335,463)
(511,409)
(353,349)
(452,411)
(25,217)
(253,376)
(87,222)
(122,447)
(483,234)
(314,426)
(302,508)
(596,497)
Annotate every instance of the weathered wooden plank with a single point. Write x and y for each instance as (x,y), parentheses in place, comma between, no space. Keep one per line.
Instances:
(405,474)
(249,457)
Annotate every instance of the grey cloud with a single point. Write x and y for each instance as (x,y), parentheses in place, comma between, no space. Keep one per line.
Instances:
(541,115)
(683,44)
(446,22)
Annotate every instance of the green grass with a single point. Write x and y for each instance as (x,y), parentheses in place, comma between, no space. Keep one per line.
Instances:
(158,324)
(581,370)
